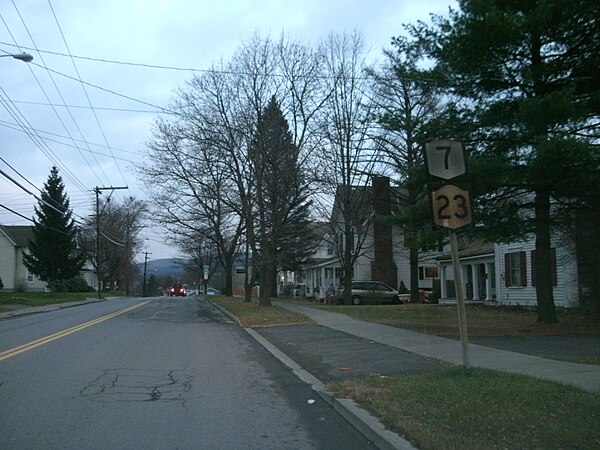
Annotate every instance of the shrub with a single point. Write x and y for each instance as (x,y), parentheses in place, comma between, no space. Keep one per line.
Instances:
(402,289)
(76,284)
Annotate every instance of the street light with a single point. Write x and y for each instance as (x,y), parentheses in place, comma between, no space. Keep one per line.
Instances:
(22,56)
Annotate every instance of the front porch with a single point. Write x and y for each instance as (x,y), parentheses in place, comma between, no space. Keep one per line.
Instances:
(478,273)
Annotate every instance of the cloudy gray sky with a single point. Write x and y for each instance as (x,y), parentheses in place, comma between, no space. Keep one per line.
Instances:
(96,128)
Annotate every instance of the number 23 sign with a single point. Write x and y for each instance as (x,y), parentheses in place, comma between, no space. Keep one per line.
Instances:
(451,207)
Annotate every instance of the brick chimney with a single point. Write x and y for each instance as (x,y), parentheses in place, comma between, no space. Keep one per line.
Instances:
(383,267)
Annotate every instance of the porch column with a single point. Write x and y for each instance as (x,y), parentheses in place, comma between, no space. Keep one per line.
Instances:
(488,281)
(465,279)
(443,287)
(475,273)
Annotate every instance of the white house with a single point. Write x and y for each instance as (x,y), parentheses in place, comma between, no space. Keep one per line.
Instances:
(381,253)
(504,274)
(492,273)
(13,244)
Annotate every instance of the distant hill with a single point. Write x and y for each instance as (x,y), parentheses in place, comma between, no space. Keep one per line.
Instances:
(162,267)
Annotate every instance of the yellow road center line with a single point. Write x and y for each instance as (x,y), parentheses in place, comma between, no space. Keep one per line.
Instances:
(45,340)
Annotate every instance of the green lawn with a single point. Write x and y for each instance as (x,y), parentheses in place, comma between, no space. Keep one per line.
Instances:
(483,321)
(477,409)
(46,298)
(252,315)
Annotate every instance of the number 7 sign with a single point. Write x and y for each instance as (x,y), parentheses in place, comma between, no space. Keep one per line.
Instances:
(445,158)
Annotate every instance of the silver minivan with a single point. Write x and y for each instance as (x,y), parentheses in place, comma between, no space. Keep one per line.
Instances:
(373,292)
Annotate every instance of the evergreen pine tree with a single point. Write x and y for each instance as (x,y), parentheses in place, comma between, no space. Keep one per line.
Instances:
(53,254)
(527,73)
(281,222)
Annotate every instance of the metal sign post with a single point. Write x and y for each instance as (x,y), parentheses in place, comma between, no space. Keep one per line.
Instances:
(451,209)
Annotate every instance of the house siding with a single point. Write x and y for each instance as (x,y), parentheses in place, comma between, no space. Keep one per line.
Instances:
(12,270)
(36,285)
(565,290)
(8,257)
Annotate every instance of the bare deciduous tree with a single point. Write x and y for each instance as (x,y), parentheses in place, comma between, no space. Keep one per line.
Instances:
(346,156)
(120,225)
(200,173)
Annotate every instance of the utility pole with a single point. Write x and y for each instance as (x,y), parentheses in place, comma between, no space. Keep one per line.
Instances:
(98,190)
(145,267)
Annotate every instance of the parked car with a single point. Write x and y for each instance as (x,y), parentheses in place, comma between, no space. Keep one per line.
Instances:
(177,291)
(373,292)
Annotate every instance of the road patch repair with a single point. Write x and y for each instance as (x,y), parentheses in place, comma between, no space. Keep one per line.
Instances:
(333,355)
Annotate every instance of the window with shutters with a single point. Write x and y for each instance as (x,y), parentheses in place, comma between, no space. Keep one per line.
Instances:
(515,269)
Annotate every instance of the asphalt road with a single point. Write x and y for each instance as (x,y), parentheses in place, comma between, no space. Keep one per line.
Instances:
(172,373)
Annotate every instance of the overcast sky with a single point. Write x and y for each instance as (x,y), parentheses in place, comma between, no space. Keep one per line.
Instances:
(96,140)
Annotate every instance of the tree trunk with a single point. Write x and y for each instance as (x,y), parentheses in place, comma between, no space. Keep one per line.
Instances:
(543,264)
(348,269)
(414,273)
(248,280)
(274,293)
(266,272)
(228,268)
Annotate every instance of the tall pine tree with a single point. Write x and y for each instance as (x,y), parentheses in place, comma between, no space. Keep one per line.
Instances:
(53,253)
(526,73)
(281,219)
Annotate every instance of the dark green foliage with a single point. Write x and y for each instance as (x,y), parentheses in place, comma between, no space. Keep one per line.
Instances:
(526,74)
(408,109)
(53,253)
(402,289)
(281,224)
(75,284)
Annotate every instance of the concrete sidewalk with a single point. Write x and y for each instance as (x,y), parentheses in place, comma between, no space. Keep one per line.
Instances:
(583,376)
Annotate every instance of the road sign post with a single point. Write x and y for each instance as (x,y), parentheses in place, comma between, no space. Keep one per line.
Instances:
(460,299)
(451,208)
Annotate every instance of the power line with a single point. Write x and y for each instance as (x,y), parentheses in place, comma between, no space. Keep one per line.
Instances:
(60,95)
(99,108)
(162,109)
(16,213)
(18,173)
(18,116)
(4,124)
(110,61)
(85,92)
(37,130)
(55,208)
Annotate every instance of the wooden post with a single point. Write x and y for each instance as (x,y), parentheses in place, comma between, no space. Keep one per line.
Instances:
(460,300)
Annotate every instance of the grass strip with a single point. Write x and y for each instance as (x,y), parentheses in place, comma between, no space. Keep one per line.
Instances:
(46,298)
(253,315)
(477,408)
(442,320)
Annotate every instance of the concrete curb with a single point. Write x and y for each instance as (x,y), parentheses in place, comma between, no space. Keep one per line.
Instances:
(367,424)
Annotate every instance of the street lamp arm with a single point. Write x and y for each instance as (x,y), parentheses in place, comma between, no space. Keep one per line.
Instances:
(26,57)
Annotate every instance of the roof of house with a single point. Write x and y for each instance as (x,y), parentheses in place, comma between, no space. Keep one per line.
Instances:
(18,234)
(475,247)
